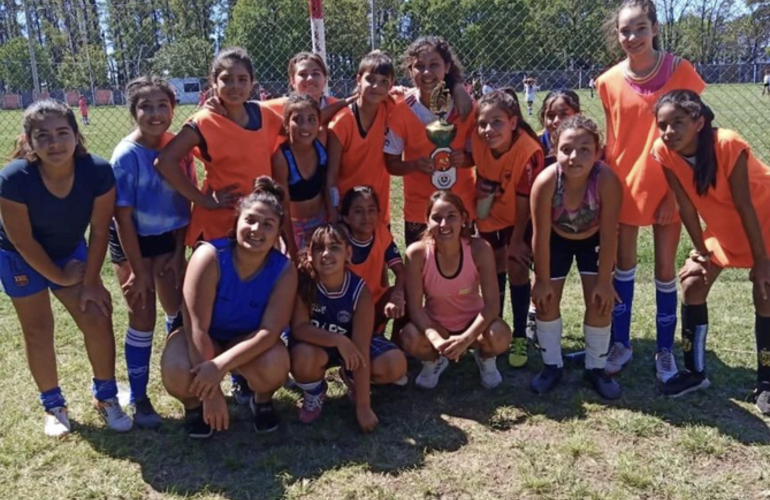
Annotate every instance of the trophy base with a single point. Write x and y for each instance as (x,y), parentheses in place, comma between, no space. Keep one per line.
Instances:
(444,179)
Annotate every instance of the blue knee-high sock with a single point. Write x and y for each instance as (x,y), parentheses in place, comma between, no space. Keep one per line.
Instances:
(104,389)
(173,321)
(520,295)
(502,280)
(665,319)
(52,398)
(138,348)
(621,314)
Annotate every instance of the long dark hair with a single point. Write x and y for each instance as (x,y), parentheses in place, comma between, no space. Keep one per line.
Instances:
(34,117)
(442,47)
(308,278)
(611,26)
(506,100)
(569,96)
(705,169)
(227,57)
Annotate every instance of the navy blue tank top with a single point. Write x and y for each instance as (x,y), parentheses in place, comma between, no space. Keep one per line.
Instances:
(333,311)
(301,189)
(240,304)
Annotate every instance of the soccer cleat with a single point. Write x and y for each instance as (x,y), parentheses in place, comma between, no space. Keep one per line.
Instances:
(665,365)
(517,357)
(113,415)
(402,382)
(241,390)
(57,423)
(685,382)
(602,383)
(430,373)
(618,357)
(145,416)
(312,405)
(195,426)
(265,418)
(762,399)
(547,379)
(490,375)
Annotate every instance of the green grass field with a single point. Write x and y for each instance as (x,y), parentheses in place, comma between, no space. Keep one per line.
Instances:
(456,442)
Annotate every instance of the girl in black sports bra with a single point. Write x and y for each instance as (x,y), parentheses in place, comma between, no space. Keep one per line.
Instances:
(299,164)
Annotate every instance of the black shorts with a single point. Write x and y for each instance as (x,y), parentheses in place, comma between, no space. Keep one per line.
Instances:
(501,238)
(149,246)
(413,231)
(564,251)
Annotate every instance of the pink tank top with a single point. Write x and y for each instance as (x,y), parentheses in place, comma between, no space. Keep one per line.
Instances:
(657,79)
(452,301)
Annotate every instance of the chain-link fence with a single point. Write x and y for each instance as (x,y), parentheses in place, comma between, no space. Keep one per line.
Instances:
(90,48)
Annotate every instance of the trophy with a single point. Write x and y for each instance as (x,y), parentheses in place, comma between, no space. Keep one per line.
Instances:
(441,133)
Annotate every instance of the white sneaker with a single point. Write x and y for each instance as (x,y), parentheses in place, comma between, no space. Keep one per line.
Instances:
(431,371)
(490,375)
(113,415)
(57,423)
(618,357)
(665,365)
(402,381)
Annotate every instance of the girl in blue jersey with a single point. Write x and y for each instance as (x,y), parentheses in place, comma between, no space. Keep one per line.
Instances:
(49,195)
(147,239)
(238,294)
(558,105)
(332,325)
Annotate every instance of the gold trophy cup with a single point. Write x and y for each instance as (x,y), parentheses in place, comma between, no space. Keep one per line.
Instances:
(441,134)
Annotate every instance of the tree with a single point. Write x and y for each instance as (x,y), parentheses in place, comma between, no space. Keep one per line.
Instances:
(15,64)
(88,66)
(184,57)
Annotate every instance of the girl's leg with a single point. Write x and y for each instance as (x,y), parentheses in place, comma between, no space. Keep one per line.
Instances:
(100,346)
(666,241)
(518,276)
(416,344)
(596,328)
(495,340)
(502,268)
(549,333)
(625,274)
(169,290)
(308,367)
(389,367)
(266,374)
(762,335)
(695,290)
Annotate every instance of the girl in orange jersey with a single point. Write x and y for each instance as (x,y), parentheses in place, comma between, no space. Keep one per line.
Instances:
(373,250)
(452,296)
(358,135)
(628,92)
(235,149)
(508,156)
(408,151)
(716,178)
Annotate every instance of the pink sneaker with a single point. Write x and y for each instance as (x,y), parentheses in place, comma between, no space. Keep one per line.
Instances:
(312,404)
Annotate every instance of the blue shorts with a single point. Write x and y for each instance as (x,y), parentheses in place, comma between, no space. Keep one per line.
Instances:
(20,280)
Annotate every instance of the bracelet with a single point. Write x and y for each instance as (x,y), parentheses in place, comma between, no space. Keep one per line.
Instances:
(699,257)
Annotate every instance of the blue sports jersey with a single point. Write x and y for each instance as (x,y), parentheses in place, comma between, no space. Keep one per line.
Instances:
(333,311)
(240,304)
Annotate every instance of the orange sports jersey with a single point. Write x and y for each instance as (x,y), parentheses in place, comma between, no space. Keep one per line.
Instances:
(363,162)
(418,187)
(631,131)
(233,155)
(724,232)
(507,171)
(372,269)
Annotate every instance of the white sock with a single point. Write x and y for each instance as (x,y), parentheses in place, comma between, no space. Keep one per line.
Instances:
(549,337)
(597,344)
(310,386)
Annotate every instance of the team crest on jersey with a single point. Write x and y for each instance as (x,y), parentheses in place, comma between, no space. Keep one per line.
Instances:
(21,280)
(344,316)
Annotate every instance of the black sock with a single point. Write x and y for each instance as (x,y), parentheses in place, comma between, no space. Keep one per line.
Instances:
(762,334)
(520,305)
(502,279)
(695,325)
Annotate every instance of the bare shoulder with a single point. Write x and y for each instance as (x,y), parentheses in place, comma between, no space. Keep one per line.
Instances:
(416,251)
(481,248)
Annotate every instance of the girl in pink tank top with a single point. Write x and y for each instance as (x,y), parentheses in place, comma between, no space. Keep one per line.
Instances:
(452,296)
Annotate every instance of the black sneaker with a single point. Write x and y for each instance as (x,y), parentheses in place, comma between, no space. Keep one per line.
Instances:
(265,418)
(602,383)
(547,379)
(762,399)
(685,382)
(241,390)
(144,414)
(195,426)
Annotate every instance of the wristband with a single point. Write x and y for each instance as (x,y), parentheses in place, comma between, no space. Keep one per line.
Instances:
(334,195)
(699,257)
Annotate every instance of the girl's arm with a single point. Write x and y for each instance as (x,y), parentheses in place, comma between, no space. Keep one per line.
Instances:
(739,188)
(280,169)
(687,212)
(198,295)
(93,289)
(397,166)
(15,217)
(611,194)
(540,204)
(363,327)
(415,260)
(334,152)
(332,109)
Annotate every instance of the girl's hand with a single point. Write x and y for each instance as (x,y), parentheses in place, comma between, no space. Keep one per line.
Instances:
(398,90)
(605,296)
(542,294)
(214,105)
(760,275)
(138,287)
(350,354)
(352,98)
(174,265)
(438,342)
(73,273)
(396,306)
(457,158)
(99,296)
(456,346)
(226,197)
(215,412)
(692,268)
(519,252)
(367,419)
(424,165)
(666,212)
(206,381)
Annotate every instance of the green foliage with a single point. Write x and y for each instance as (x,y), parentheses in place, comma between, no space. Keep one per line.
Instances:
(185,57)
(15,65)
(79,71)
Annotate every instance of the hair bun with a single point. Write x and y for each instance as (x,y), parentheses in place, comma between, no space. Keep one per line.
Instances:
(265,184)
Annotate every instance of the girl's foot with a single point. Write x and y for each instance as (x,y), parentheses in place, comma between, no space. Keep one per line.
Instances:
(144,414)
(685,382)
(265,418)
(547,379)
(665,365)
(57,423)
(518,357)
(113,415)
(430,373)
(762,399)
(618,357)
(490,375)
(195,426)
(602,383)
(312,404)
